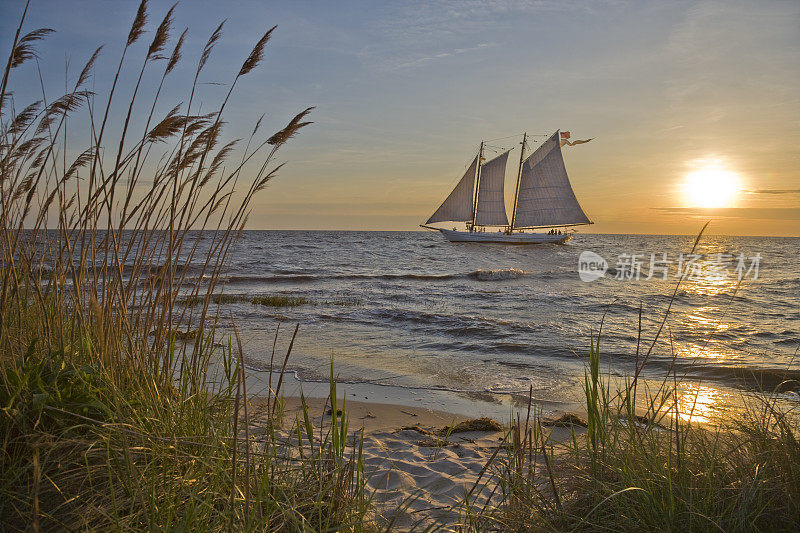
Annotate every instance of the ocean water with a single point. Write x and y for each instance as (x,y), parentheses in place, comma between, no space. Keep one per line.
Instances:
(413,310)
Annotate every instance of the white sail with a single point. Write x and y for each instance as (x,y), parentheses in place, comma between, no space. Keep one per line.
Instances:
(457,207)
(545,195)
(491,199)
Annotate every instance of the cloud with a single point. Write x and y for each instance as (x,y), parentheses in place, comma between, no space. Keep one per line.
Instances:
(367,207)
(743,213)
(773,191)
(457,51)
(411,34)
(726,58)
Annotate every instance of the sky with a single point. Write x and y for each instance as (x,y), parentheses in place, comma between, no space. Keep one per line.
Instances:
(688,104)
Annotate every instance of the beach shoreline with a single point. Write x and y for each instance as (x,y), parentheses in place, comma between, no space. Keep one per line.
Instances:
(438,405)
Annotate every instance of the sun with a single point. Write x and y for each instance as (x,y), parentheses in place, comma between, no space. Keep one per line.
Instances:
(711,185)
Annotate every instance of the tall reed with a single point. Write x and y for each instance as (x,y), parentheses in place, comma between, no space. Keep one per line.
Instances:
(110,418)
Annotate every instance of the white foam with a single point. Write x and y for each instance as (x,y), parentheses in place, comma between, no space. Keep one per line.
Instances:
(499,274)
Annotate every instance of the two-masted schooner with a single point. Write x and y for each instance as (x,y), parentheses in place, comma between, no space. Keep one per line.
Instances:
(543,198)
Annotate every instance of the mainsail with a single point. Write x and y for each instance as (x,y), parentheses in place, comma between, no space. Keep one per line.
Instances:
(458,206)
(491,199)
(545,196)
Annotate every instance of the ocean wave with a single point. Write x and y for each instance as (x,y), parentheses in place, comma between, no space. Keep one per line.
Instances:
(761,379)
(280,278)
(455,325)
(466,326)
(611,307)
(304,375)
(748,377)
(480,275)
(498,275)
(789,342)
(785,282)
(431,277)
(308,278)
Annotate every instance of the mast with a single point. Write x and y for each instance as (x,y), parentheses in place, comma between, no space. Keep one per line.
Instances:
(519,177)
(477,184)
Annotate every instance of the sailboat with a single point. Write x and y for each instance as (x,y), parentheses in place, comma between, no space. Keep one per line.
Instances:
(543,198)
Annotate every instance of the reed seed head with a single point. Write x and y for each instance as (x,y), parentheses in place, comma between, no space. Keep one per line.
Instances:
(25,49)
(210,46)
(257,54)
(137,29)
(162,33)
(176,52)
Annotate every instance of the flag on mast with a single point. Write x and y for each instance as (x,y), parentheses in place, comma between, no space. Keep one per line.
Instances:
(565,140)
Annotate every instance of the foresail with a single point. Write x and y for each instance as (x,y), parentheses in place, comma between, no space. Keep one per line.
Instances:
(545,195)
(458,206)
(491,199)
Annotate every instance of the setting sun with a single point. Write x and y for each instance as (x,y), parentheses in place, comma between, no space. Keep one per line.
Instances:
(711,185)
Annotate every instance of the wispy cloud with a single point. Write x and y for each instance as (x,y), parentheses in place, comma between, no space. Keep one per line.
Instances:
(724,55)
(458,51)
(413,34)
(744,213)
(773,191)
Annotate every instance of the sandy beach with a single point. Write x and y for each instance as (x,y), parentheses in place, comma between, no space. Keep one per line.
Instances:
(422,469)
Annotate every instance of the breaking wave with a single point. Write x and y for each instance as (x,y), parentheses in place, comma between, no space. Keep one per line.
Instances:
(498,275)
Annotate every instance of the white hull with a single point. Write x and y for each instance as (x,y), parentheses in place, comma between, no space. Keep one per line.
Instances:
(504,238)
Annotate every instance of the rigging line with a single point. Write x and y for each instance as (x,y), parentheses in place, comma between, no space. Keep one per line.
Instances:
(494,148)
(520,135)
(500,151)
(503,138)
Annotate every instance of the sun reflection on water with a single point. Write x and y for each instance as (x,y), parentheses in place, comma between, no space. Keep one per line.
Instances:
(706,326)
(712,282)
(707,317)
(705,352)
(697,403)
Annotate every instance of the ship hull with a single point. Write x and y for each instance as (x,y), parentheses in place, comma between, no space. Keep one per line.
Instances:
(504,238)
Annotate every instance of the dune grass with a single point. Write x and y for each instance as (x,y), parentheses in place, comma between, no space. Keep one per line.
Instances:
(625,475)
(108,416)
